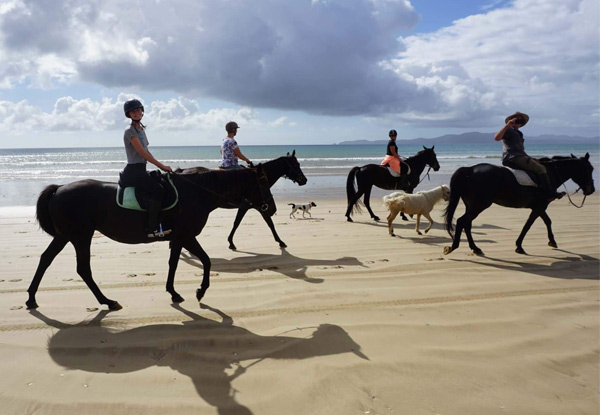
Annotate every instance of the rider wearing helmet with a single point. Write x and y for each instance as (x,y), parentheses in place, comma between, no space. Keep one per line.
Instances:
(229,149)
(392,158)
(135,174)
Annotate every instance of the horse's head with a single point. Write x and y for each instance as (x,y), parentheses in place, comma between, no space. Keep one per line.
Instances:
(294,173)
(264,200)
(431,158)
(582,174)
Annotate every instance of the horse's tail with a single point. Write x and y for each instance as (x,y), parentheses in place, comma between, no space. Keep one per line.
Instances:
(351,190)
(457,187)
(43,212)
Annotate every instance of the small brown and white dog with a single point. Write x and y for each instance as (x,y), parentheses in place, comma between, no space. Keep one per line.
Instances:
(304,208)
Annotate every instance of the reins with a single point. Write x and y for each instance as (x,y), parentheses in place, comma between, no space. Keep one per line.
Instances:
(263,207)
(569,197)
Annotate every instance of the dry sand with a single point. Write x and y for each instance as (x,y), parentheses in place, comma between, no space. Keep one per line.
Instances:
(346,320)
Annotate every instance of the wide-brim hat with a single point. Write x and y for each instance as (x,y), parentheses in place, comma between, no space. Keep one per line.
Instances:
(517,115)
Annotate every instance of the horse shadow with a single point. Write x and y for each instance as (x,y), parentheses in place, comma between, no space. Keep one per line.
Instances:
(202,349)
(293,266)
(566,268)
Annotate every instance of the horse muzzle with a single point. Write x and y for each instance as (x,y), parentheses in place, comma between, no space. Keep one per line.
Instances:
(589,189)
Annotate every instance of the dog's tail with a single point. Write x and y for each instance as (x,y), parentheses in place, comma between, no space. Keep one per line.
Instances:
(291,204)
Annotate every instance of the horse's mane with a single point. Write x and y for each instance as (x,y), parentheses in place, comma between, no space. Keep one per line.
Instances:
(556,158)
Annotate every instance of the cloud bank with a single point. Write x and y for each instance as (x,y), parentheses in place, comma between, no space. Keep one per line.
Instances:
(323,57)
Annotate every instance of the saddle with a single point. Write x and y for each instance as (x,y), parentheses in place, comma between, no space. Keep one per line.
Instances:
(523,177)
(135,199)
(403,166)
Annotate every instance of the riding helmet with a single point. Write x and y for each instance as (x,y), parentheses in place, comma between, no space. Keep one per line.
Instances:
(131,105)
(393,133)
(231,126)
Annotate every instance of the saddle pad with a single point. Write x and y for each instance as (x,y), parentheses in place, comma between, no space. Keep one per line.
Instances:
(522,177)
(393,172)
(126,198)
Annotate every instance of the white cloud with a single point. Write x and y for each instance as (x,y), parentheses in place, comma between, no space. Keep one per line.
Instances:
(536,56)
(69,114)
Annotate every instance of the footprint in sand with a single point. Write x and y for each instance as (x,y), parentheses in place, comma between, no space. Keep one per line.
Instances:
(91,309)
(384,260)
(17,307)
(16,280)
(131,275)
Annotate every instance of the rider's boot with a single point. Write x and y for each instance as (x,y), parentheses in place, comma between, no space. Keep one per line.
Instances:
(548,190)
(155,229)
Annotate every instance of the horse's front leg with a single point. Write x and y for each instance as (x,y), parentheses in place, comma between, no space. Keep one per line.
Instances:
(194,247)
(532,217)
(548,222)
(271,225)
(238,219)
(175,246)
(367,200)
(428,216)
(82,252)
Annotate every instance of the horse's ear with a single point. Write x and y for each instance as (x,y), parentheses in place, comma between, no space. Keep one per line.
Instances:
(587,156)
(294,153)
(424,148)
(432,147)
(573,155)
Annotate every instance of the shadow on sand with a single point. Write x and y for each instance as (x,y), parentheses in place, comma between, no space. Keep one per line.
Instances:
(202,349)
(577,266)
(284,263)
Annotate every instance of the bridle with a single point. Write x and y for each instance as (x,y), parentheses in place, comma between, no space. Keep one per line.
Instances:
(558,175)
(292,169)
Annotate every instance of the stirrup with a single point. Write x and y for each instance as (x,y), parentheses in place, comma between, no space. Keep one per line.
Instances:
(160,233)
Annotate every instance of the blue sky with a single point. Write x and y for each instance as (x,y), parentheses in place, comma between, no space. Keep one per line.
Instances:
(301,72)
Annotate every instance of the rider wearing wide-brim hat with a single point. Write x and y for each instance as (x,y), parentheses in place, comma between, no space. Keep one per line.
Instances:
(514,155)
(135,174)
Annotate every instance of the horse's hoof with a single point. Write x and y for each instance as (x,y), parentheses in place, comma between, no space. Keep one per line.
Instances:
(232,247)
(349,220)
(553,244)
(200,294)
(31,305)
(520,250)
(478,252)
(447,250)
(405,218)
(376,218)
(282,245)
(177,299)
(419,232)
(114,306)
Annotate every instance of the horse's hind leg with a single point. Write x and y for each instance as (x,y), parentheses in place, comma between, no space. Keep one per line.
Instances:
(367,200)
(194,247)
(82,250)
(464,222)
(173,261)
(57,245)
(548,222)
(351,204)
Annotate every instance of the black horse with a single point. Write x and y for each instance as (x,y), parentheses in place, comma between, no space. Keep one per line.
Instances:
(287,166)
(72,212)
(483,184)
(371,175)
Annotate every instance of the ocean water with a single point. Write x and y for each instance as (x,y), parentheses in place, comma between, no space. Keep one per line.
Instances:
(25,172)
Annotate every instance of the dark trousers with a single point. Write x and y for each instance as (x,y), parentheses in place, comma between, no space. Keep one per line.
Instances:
(136,175)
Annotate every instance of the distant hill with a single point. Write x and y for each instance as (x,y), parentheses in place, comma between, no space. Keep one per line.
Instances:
(477,138)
